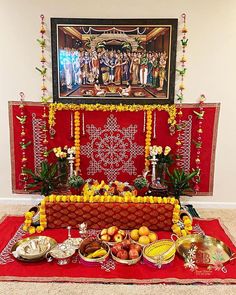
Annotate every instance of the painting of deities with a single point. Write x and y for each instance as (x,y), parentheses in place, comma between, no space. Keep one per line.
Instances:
(114,61)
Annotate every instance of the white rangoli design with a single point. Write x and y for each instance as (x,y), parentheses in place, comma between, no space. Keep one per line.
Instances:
(111,149)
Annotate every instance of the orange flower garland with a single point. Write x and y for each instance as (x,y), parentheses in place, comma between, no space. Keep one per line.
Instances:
(77,140)
(148,138)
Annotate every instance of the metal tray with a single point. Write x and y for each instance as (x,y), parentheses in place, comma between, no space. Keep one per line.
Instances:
(39,258)
(209,250)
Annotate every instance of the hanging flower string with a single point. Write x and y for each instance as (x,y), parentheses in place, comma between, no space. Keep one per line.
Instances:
(23,143)
(180,95)
(43,71)
(77,140)
(198,143)
(148,138)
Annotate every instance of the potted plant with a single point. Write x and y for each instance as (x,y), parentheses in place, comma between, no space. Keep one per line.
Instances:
(76,183)
(179,182)
(46,180)
(141,184)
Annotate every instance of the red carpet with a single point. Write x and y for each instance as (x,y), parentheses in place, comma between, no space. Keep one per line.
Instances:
(137,274)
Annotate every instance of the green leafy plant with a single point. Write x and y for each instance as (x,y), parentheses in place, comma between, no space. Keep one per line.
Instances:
(75,181)
(140,182)
(179,182)
(45,180)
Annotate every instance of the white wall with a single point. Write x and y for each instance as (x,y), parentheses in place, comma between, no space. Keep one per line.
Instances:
(211,64)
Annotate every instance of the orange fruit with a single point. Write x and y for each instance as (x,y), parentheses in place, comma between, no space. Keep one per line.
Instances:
(143,231)
(134,234)
(144,240)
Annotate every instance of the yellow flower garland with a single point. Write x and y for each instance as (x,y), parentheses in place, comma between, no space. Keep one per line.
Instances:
(29,220)
(54,107)
(77,140)
(148,137)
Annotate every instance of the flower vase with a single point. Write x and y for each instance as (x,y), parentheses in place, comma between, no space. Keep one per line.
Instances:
(161,172)
(63,170)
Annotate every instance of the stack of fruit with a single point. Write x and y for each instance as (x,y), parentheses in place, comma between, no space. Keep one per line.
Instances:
(143,235)
(93,250)
(112,235)
(126,252)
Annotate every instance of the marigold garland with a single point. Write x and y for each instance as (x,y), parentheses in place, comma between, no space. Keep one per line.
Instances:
(77,140)
(54,107)
(28,223)
(148,138)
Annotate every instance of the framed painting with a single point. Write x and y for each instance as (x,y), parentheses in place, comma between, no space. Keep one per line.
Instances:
(114,60)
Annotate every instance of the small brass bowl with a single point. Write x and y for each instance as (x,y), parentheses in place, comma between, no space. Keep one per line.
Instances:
(97,260)
(160,252)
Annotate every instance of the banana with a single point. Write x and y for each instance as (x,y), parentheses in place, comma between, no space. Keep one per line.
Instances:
(98,253)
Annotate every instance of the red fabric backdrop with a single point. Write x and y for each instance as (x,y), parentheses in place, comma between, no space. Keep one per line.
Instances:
(123,131)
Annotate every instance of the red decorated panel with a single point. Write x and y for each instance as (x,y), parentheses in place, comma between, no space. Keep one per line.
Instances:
(102,215)
(112,143)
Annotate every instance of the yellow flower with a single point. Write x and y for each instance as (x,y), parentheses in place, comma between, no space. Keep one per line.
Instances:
(159,150)
(31,230)
(39,229)
(167,150)
(29,215)
(25,228)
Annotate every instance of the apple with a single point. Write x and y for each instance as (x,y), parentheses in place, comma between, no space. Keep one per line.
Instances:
(103,231)
(118,238)
(133,254)
(122,254)
(126,244)
(105,238)
(136,247)
(112,230)
(122,232)
(118,246)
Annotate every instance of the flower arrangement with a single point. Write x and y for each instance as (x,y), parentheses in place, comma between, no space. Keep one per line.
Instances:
(115,188)
(63,153)
(162,155)
(161,158)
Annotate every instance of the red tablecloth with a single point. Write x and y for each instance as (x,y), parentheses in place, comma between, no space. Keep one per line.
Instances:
(140,273)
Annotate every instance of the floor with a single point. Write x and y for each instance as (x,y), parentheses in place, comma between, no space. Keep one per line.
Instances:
(13,288)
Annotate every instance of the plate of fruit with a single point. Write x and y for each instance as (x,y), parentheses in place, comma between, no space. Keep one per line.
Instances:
(112,235)
(143,236)
(93,250)
(126,252)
